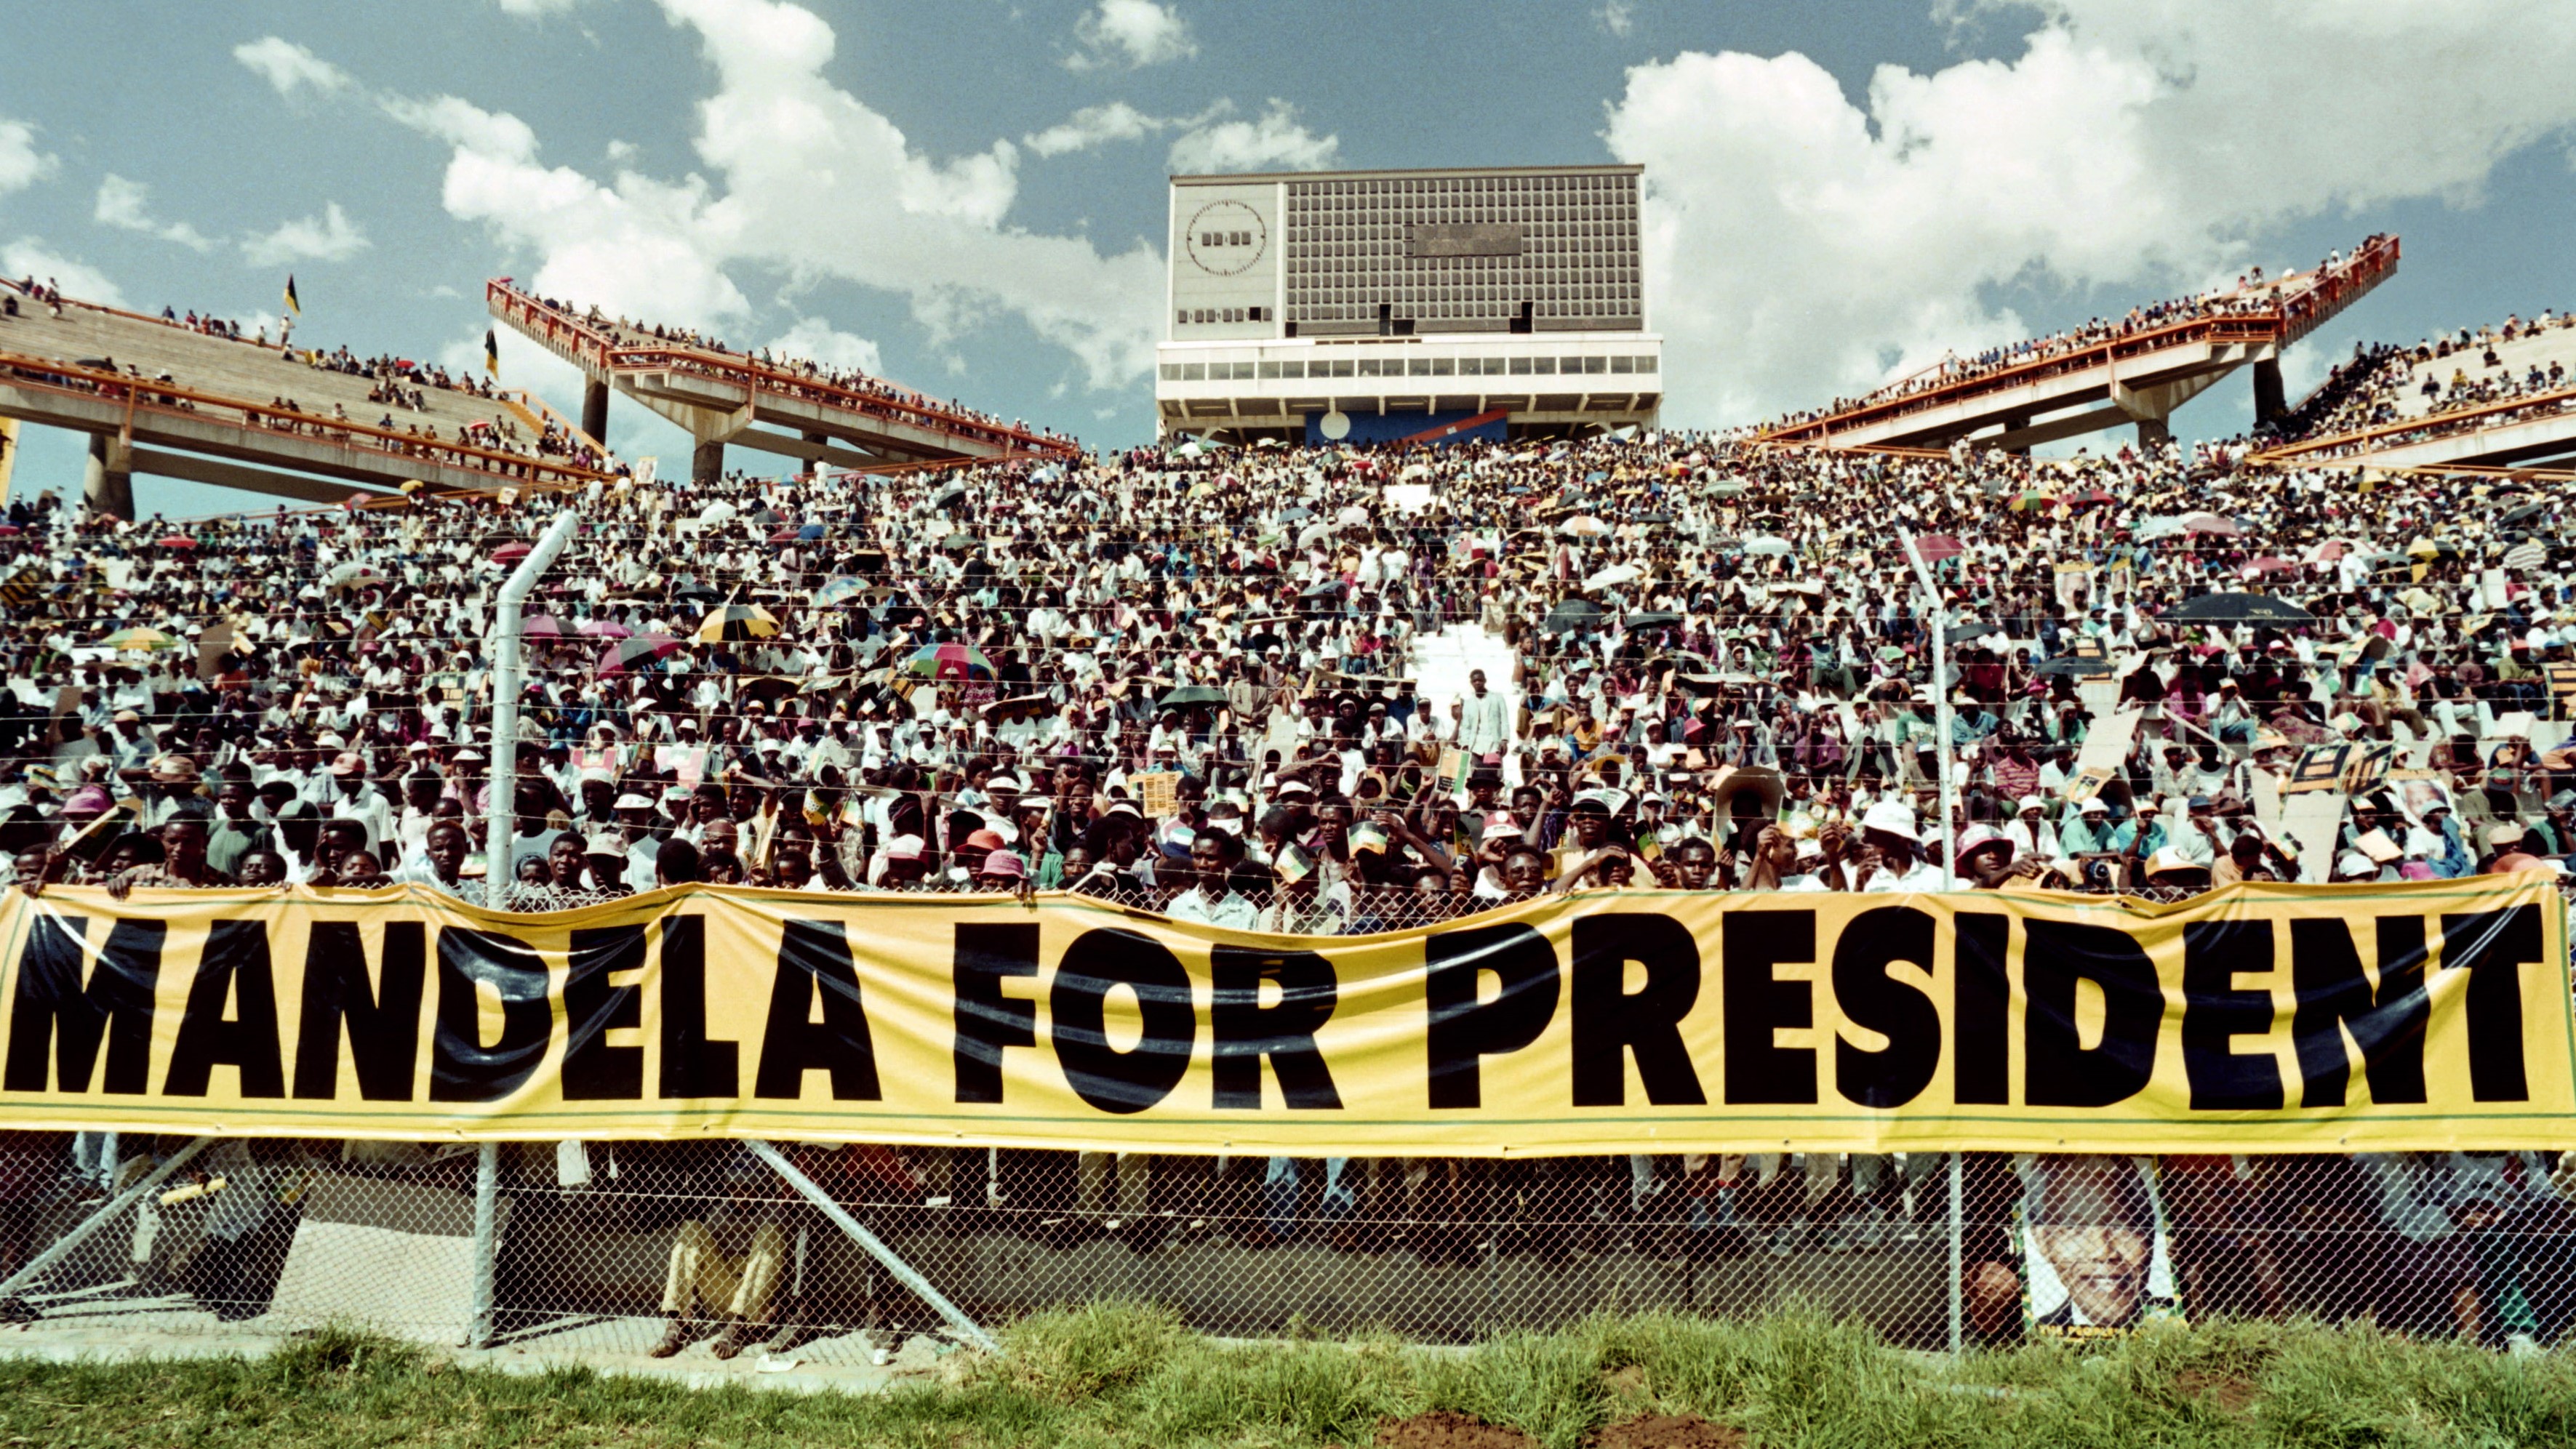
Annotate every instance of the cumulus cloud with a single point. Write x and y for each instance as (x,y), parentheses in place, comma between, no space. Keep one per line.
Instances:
(1093,126)
(1616,16)
(290,67)
(21,164)
(1131,33)
(29,256)
(125,205)
(330,237)
(1801,246)
(1274,141)
(803,178)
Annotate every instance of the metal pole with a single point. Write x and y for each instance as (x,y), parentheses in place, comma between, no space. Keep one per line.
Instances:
(487,1213)
(1939,618)
(1958,1249)
(64,1245)
(875,1247)
(499,827)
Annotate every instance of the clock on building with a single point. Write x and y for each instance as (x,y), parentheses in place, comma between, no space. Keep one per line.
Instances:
(1225,238)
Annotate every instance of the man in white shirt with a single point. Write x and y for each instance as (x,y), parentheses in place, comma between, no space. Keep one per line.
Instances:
(1484,720)
(1889,833)
(1212,900)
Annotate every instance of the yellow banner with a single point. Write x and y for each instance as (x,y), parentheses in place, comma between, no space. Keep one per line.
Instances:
(2258,1018)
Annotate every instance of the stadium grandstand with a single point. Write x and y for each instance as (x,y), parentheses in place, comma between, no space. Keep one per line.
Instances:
(2499,397)
(184,396)
(718,395)
(2110,373)
(1300,688)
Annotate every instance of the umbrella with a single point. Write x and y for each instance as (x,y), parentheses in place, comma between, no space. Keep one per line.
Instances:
(949,661)
(737,622)
(696,593)
(839,591)
(1296,514)
(1613,576)
(2084,667)
(2024,502)
(1962,633)
(2268,564)
(1653,619)
(604,629)
(2330,551)
(2528,510)
(1584,524)
(8,530)
(958,542)
(2525,557)
(2211,523)
(178,540)
(1190,694)
(544,626)
(716,512)
(138,640)
(945,496)
(2237,608)
(510,553)
(1025,706)
(2090,495)
(784,535)
(628,655)
(1935,547)
(1571,615)
(1763,544)
(810,532)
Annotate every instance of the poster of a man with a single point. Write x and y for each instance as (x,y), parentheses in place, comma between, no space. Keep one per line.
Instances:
(2096,1257)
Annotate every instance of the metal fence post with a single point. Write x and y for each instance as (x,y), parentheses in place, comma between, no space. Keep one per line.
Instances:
(1958,1246)
(64,1245)
(874,1246)
(487,1203)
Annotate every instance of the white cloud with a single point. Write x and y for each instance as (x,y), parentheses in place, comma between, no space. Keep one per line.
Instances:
(1093,126)
(1616,16)
(1131,33)
(803,178)
(813,339)
(124,205)
(1276,141)
(21,164)
(290,67)
(28,256)
(330,237)
(1795,242)
(535,9)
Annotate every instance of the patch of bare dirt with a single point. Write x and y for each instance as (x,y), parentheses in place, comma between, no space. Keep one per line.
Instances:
(1446,1430)
(2232,1391)
(1670,1431)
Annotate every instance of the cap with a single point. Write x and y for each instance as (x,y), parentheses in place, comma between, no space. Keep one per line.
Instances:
(173,768)
(126,716)
(345,764)
(631,801)
(982,840)
(1004,863)
(606,842)
(904,847)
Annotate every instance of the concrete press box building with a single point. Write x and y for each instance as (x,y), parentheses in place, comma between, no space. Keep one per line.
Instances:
(1377,306)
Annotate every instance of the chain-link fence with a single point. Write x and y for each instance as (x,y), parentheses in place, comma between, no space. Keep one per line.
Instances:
(711,1249)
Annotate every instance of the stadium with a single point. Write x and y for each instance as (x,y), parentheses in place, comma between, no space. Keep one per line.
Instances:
(504,895)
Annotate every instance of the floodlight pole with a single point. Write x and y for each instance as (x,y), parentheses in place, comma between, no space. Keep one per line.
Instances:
(1938,617)
(499,827)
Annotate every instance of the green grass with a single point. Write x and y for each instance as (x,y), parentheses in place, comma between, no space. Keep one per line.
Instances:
(1126,1377)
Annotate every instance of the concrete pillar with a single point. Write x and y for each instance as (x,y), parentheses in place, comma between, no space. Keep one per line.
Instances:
(814,466)
(2269,401)
(594,410)
(108,481)
(706,465)
(2153,433)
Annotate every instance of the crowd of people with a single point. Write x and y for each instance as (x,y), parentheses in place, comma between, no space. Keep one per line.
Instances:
(2292,295)
(1319,691)
(2448,377)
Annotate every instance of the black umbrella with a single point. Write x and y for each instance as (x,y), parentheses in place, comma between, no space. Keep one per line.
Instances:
(2079,667)
(1190,694)
(1653,619)
(945,496)
(698,593)
(1328,588)
(1961,633)
(1571,615)
(2236,609)
(2528,510)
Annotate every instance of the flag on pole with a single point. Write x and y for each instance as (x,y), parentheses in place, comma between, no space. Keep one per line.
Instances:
(491,352)
(292,304)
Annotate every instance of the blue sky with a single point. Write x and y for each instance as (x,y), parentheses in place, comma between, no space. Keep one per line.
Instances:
(969,196)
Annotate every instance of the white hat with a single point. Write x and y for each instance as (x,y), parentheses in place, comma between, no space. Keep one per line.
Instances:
(1892,817)
(2028,804)
(2095,806)
(2356,863)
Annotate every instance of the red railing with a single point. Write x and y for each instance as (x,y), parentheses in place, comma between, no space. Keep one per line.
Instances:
(599,351)
(2426,427)
(141,397)
(2304,304)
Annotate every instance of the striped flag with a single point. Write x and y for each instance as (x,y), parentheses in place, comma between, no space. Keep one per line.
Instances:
(491,352)
(2524,557)
(293,303)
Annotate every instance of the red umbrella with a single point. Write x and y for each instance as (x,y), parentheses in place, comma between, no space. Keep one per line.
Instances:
(2268,564)
(605,629)
(544,626)
(357,500)
(178,540)
(2211,523)
(511,553)
(628,655)
(784,535)
(8,530)
(1937,546)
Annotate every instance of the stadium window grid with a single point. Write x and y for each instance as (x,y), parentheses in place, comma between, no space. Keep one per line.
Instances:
(1345,240)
